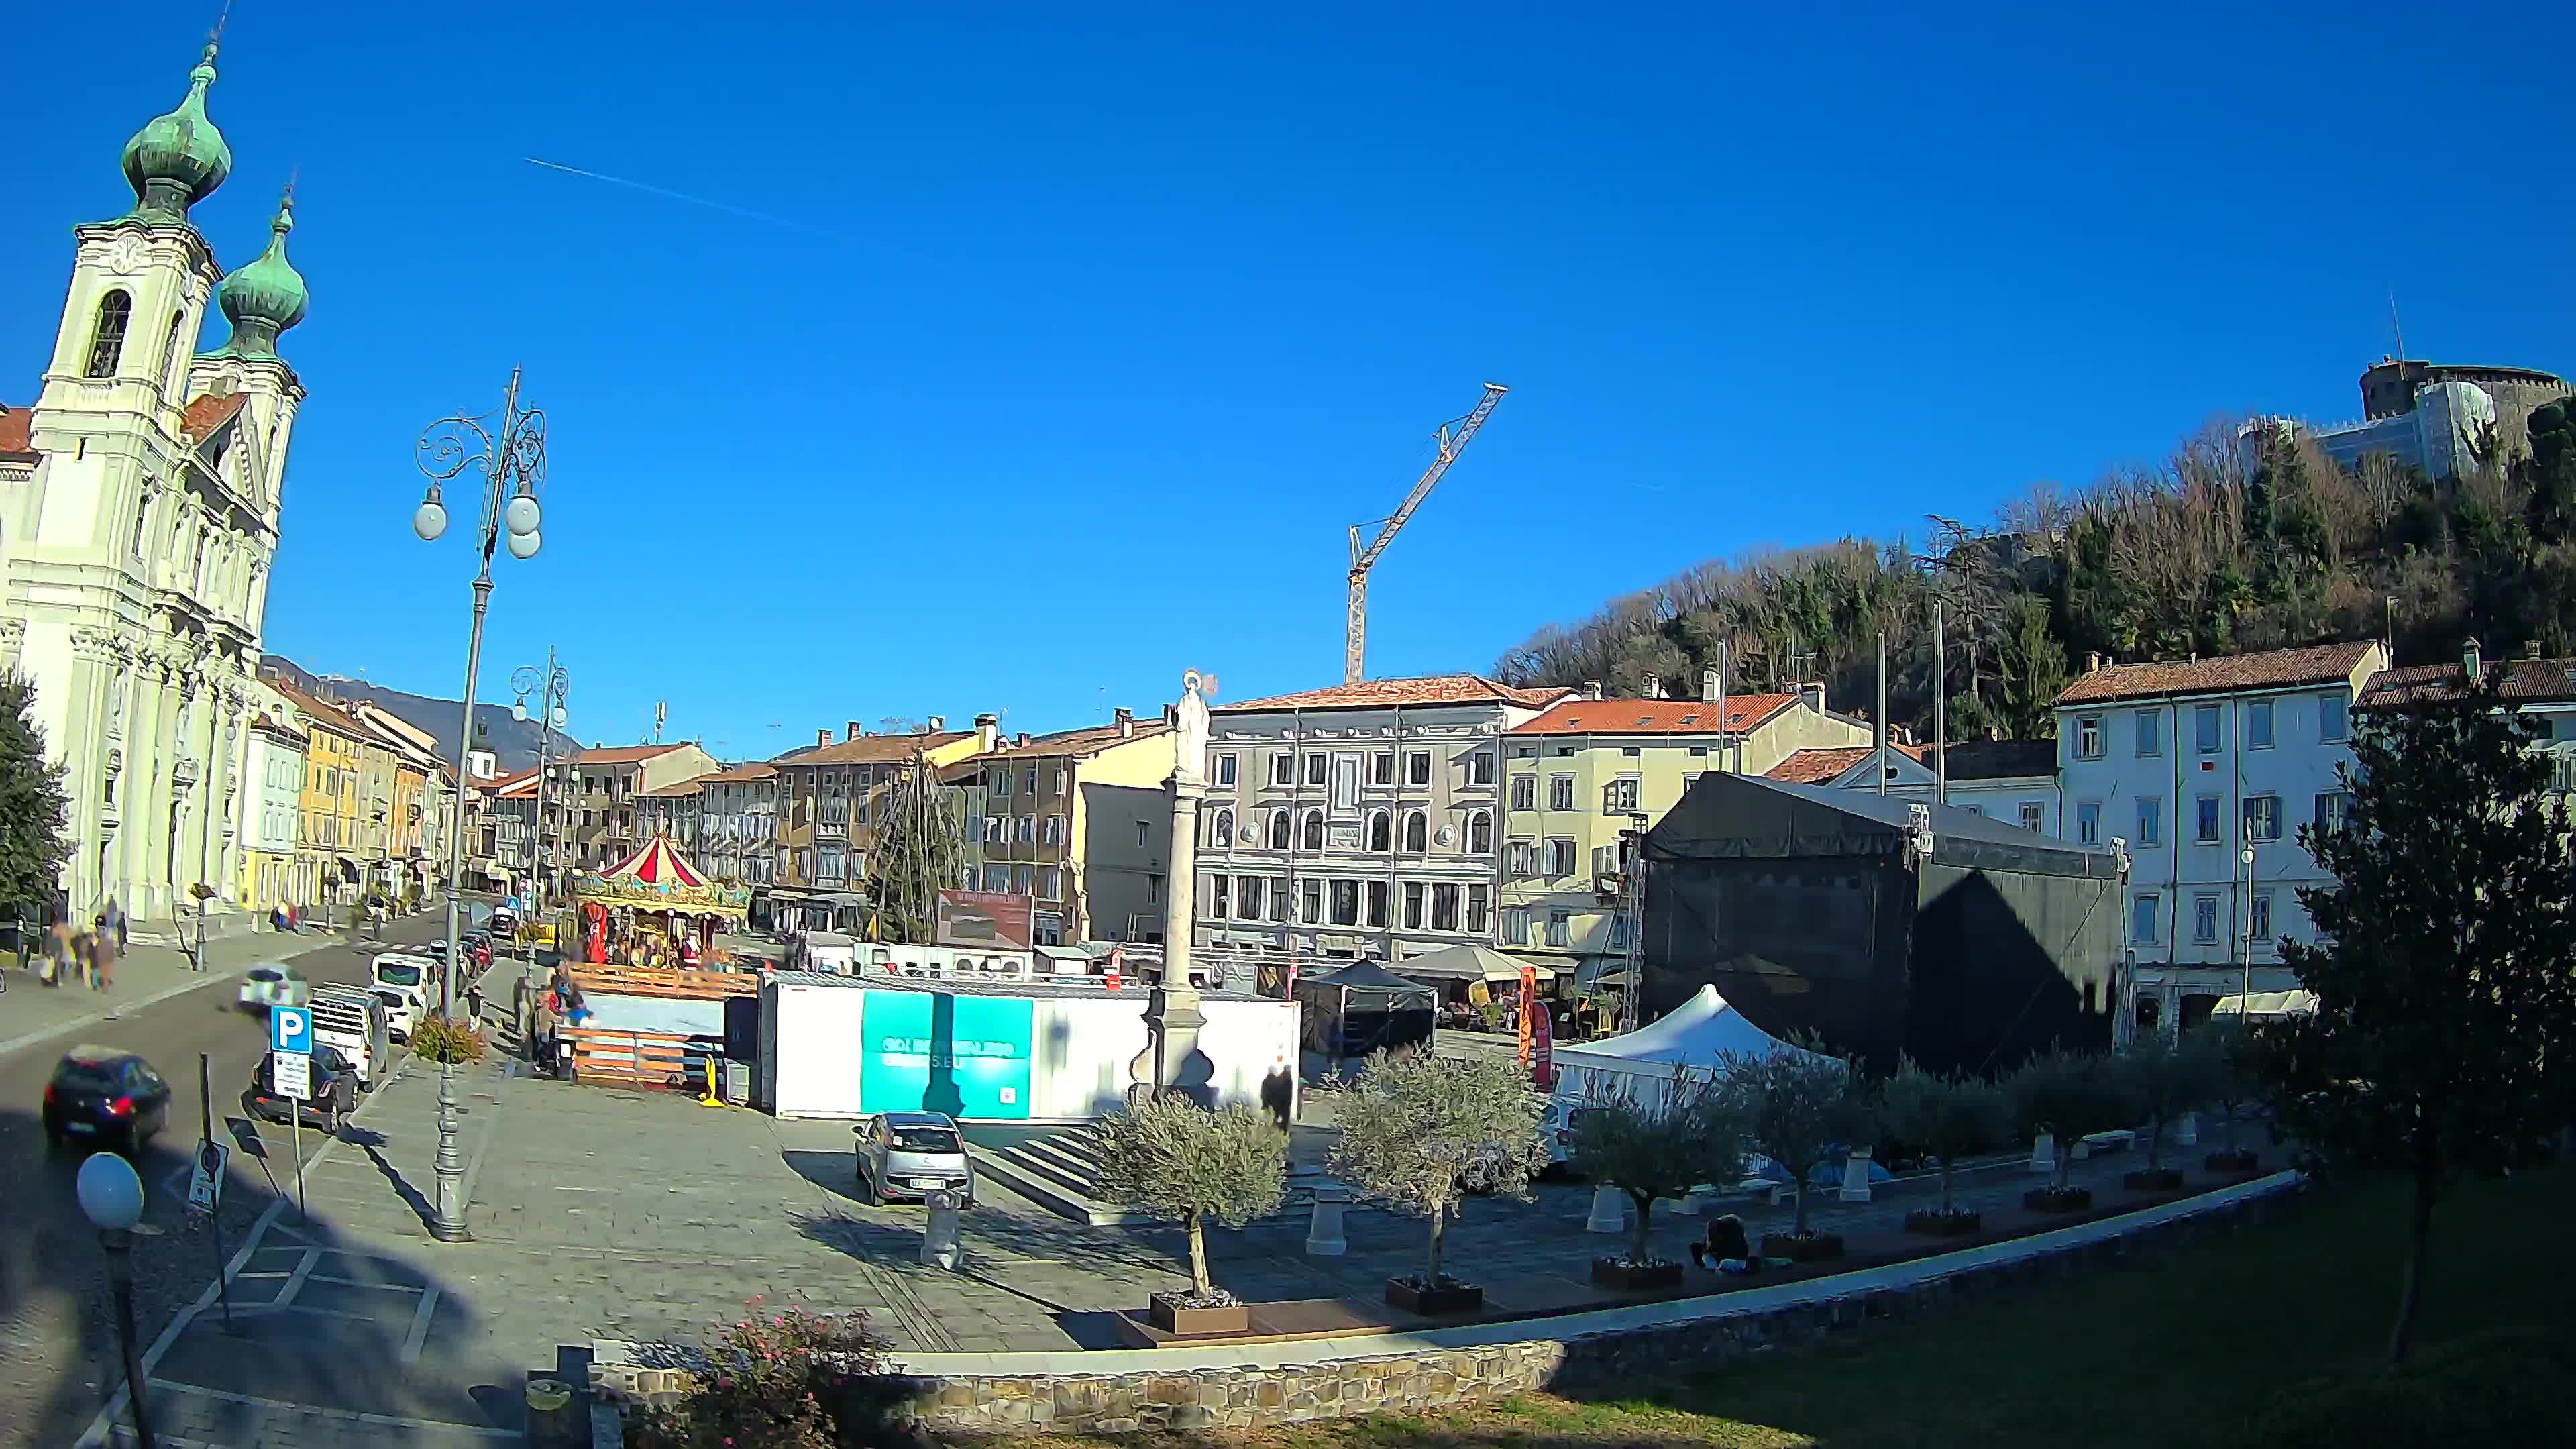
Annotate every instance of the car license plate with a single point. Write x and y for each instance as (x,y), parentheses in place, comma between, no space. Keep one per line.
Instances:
(80,1126)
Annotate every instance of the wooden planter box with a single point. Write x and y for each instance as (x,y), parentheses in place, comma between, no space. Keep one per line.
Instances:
(1809,1248)
(2233,1161)
(2052,1200)
(1434,1302)
(1627,1278)
(1956,1223)
(2153,1179)
(1181,1322)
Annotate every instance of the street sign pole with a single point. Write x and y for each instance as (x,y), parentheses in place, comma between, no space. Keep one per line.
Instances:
(215,1214)
(290,1044)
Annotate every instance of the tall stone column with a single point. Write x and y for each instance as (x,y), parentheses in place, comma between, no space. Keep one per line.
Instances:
(1172,1061)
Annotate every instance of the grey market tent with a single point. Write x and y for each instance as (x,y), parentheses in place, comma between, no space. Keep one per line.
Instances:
(1467,963)
(1884,926)
(1364,1008)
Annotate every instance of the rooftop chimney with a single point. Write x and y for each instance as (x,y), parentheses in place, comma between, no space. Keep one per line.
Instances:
(2093,663)
(2470,664)
(1591,690)
(853,728)
(1814,695)
(1708,684)
(1126,719)
(1023,739)
(822,737)
(988,732)
(1172,715)
(1654,686)
(937,724)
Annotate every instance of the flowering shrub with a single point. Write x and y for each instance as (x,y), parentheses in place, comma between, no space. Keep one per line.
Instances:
(440,1040)
(790,1380)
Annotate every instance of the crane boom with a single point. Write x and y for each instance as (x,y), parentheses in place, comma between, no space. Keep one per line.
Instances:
(1451,440)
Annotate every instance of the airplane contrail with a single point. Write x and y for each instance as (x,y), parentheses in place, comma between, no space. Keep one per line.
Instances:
(725,206)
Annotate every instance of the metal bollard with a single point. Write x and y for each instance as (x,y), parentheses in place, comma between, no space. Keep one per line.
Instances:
(549,1404)
(939,1247)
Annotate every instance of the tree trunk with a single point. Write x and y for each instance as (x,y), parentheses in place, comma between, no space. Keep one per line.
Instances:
(2156,1143)
(1439,1227)
(1799,1224)
(1637,1240)
(2419,1241)
(1945,1186)
(1198,1254)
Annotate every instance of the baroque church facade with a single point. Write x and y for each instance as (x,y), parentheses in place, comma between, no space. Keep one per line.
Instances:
(139,502)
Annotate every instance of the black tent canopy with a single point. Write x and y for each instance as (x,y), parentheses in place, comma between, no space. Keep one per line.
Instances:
(1883,925)
(1365,1008)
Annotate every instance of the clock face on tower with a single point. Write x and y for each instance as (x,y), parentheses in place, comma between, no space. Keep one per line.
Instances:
(126,255)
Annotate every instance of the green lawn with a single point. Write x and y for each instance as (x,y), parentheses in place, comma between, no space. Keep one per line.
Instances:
(2172,1350)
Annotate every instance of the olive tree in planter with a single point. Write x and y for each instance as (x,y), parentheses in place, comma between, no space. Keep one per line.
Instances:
(2165,1077)
(1174,1159)
(2068,1096)
(2225,1048)
(1420,1132)
(1655,1147)
(1798,1105)
(1945,1119)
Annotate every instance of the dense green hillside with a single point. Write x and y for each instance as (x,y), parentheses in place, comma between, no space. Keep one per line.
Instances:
(2223,548)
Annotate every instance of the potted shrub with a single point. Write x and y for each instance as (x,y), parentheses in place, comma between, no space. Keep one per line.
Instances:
(2232,1085)
(2166,1077)
(1798,1105)
(1652,1147)
(1945,1119)
(1174,1159)
(2068,1096)
(1420,1132)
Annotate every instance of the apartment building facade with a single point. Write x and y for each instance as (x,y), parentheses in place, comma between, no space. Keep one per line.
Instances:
(1587,770)
(831,799)
(329,808)
(1081,822)
(738,825)
(2009,780)
(274,870)
(1358,821)
(2205,769)
(601,821)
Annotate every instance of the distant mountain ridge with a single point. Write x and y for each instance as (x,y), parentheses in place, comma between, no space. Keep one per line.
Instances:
(513,743)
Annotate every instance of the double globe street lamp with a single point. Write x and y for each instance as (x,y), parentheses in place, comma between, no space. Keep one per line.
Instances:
(509,449)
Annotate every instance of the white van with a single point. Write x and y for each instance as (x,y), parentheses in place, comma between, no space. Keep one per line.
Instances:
(410,975)
(354,1020)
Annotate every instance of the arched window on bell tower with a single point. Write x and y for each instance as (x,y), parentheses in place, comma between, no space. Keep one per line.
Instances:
(107,338)
(174,363)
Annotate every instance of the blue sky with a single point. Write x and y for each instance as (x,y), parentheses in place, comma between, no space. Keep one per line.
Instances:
(1069,340)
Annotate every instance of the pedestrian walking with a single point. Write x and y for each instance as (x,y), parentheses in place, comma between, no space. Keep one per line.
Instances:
(102,945)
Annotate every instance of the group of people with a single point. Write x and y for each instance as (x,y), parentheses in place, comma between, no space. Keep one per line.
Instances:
(543,1012)
(88,954)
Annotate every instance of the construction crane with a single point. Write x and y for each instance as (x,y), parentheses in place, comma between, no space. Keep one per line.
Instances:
(1451,439)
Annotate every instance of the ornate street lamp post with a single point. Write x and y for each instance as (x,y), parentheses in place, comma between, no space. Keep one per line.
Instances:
(509,449)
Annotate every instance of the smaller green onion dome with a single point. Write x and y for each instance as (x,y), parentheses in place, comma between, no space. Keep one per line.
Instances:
(265,297)
(178,159)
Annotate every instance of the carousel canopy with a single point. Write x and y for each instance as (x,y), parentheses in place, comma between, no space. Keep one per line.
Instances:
(659,878)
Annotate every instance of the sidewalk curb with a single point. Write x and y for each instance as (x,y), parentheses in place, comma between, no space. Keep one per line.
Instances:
(205,979)
(103,1427)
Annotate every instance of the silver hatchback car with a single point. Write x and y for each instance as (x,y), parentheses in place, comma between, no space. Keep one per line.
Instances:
(912,1155)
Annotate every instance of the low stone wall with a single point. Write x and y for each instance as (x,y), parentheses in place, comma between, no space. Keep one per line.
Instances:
(1431,1370)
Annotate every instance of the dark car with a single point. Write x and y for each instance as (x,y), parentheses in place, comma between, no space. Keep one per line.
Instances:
(334,1091)
(102,1095)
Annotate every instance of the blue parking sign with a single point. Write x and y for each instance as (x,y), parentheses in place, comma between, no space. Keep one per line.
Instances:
(290,1029)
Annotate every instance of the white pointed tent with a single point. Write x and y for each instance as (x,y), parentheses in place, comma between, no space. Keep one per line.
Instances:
(1696,1036)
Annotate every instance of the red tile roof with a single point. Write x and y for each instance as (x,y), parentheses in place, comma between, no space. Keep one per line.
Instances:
(1823,767)
(680,791)
(621,754)
(1425,689)
(1082,743)
(2271,669)
(743,774)
(205,414)
(873,749)
(1654,716)
(2531,681)
(15,424)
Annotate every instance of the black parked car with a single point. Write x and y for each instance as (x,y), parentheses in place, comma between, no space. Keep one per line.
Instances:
(105,1096)
(334,1091)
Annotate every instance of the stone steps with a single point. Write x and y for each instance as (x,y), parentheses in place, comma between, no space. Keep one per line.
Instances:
(1060,1172)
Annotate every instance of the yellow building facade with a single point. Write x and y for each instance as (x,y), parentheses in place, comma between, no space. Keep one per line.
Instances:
(331,806)
(1587,770)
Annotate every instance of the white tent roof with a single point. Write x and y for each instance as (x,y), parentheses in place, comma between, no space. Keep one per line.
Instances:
(2267,1003)
(1694,1034)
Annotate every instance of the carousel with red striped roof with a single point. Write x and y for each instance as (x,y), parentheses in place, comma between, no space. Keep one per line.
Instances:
(655,908)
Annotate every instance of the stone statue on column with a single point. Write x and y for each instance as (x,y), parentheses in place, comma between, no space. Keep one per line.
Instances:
(1171,1061)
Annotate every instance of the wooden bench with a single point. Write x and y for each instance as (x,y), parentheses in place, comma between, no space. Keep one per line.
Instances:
(667,985)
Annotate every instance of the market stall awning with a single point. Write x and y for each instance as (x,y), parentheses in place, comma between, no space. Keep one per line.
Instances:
(659,878)
(1466,963)
(2267,1003)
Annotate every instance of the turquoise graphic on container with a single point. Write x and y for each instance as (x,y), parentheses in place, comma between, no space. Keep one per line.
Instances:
(967,1056)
